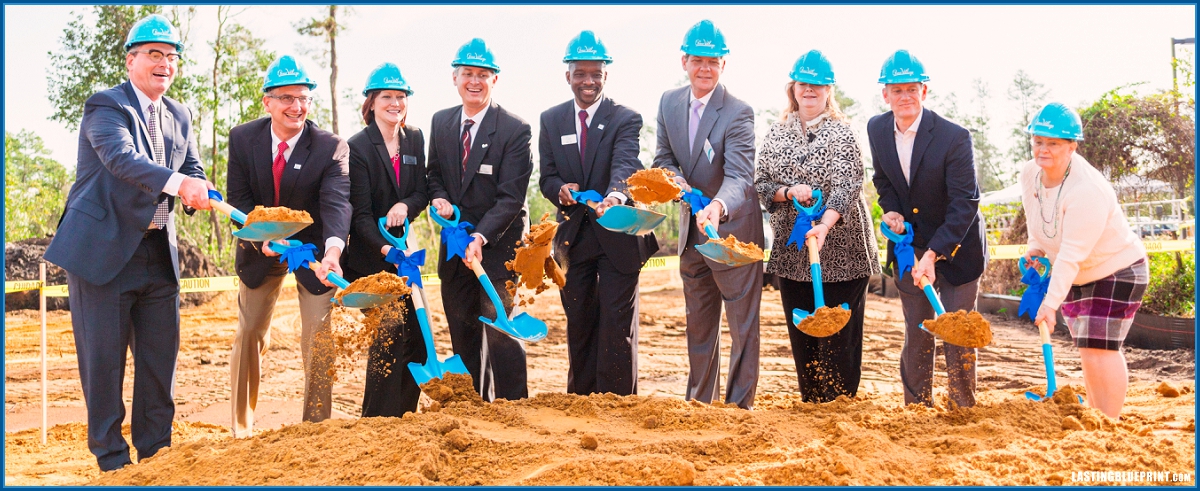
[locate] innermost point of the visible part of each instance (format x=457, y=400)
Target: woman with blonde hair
x=813, y=148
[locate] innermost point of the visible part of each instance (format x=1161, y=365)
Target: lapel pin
x=600, y=126
x=483, y=146
x=297, y=167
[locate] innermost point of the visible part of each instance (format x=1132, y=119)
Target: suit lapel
x=262, y=164
x=139, y=117
x=891, y=159
x=168, y=133
x=678, y=132
x=295, y=163
x=595, y=133
x=707, y=121
x=452, y=177
x=479, y=147
x=376, y=136
x=921, y=143
x=574, y=164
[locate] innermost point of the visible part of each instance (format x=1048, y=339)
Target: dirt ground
x=653, y=438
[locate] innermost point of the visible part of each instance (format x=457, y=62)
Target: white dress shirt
x=330, y=242
x=477, y=118
x=704, y=105
x=904, y=145
x=579, y=131
x=144, y=103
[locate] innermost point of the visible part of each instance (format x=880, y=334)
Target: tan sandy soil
x=654, y=438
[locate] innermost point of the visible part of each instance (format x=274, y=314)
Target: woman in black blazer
x=387, y=178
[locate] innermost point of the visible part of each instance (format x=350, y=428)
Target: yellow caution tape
x=657, y=263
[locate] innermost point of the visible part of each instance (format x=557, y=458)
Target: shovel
x=1048, y=356
x=721, y=253
x=432, y=368
x=622, y=218
x=798, y=315
x=257, y=231
x=522, y=326
x=358, y=300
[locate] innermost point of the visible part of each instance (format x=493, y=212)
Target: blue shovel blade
x=799, y=315
x=267, y=231
x=524, y=327
x=366, y=300
x=630, y=220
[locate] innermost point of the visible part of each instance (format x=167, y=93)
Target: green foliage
x=1172, y=288
x=91, y=58
x=35, y=187
x=1153, y=136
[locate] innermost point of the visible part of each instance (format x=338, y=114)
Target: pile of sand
x=277, y=214
x=962, y=328
x=826, y=321
x=560, y=439
x=653, y=186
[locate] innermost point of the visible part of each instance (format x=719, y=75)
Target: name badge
x=485, y=169
x=708, y=151
x=569, y=139
x=410, y=160
x=297, y=166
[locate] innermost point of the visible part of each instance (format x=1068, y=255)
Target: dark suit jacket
x=942, y=201
x=495, y=202
x=316, y=179
x=611, y=157
x=373, y=191
x=118, y=184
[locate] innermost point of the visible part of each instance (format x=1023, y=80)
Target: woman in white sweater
x=1099, y=267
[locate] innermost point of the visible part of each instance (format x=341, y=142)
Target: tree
x=327, y=28
x=35, y=187
x=1028, y=95
x=1152, y=136
x=91, y=58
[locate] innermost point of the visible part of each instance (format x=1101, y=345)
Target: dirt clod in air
x=1167, y=390
x=653, y=186
x=962, y=328
x=826, y=321
x=533, y=263
x=277, y=214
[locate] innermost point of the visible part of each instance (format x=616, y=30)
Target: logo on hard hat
x=475, y=56
x=290, y=72
x=392, y=80
x=160, y=32
x=704, y=43
x=589, y=50
x=1044, y=123
x=807, y=71
x=902, y=71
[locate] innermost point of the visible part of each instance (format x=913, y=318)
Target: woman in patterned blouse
x=813, y=147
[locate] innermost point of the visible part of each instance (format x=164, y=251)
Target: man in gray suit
x=706, y=137
x=116, y=240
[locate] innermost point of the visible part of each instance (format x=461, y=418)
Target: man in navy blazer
x=925, y=175
x=116, y=240
x=591, y=143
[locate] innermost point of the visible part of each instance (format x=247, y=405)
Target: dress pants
x=390, y=389
x=496, y=361
x=601, y=306
x=139, y=311
x=917, y=355
x=704, y=291
x=830, y=366
x=255, y=306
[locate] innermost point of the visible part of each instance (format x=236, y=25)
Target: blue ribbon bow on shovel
x=408, y=266
x=588, y=195
x=904, y=250
x=1038, y=283
x=298, y=256
x=457, y=238
x=696, y=200
x=805, y=215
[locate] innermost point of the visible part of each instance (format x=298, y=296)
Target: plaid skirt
x=1100, y=313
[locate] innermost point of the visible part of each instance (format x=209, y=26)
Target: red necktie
x=466, y=141
x=396, y=166
x=582, y=133
x=277, y=168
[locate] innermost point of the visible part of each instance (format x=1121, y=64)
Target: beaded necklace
x=1053, y=211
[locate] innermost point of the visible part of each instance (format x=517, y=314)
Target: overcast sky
x=1077, y=52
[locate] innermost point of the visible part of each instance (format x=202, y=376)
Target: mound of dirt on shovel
x=277, y=214
x=962, y=328
x=653, y=186
x=826, y=321
x=748, y=249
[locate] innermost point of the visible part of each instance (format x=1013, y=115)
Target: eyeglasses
x=287, y=100
x=157, y=56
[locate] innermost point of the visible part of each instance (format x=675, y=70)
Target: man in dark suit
x=925, y=175
x=591, y=143
x=116, y=240
x=286, y=160
x=479, y=160
x=706, y=137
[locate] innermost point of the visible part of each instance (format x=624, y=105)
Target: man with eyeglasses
x=286, y=160
x=479, y=161
x=925, y=175
x=116, y=240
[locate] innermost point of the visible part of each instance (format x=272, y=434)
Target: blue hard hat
x=476, y=53
x=704, y=39
x=902, y=68
x=813, y=68
x=386, y=77
x=153, y=28
x=287, y=70
x=587, y=47
x=1056, y=120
